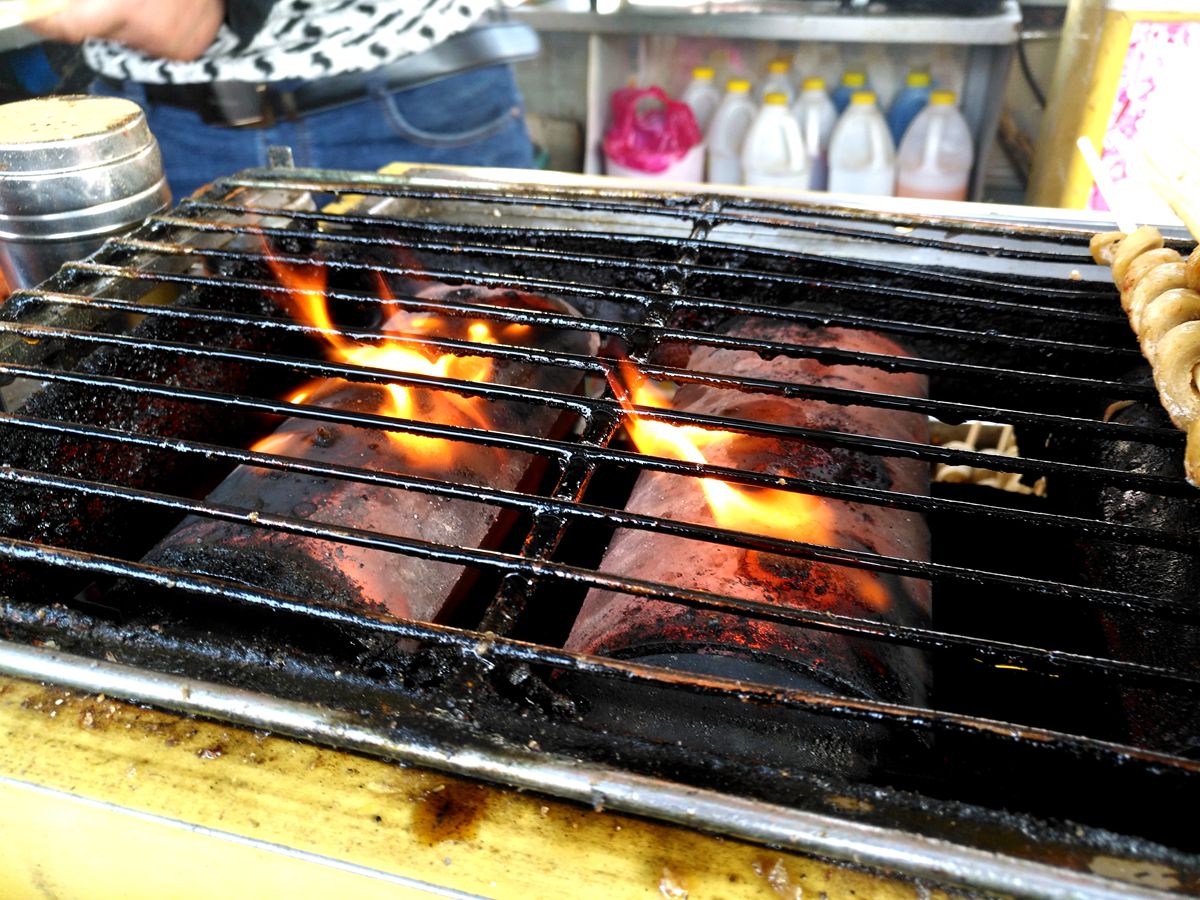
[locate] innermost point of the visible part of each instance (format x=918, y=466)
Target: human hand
x=170, y=29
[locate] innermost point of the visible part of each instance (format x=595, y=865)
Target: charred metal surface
x=1165, y=720
x=106, y=525
x=1028, y=743
x=713, y=207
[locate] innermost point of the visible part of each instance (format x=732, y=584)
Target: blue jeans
x=475, y=118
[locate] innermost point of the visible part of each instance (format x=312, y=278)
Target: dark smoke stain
x=449, y=812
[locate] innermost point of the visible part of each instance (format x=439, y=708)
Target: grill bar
x=1169, y=485
x=834, y=286
x=661, y=333
x=707, y=209
x=1005, y=653
x=515, y=250
x=491, y=645
x=945, y=410
x=703, y=206
x=1047, y=368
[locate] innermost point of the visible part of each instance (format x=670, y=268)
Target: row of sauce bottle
x=844, y=143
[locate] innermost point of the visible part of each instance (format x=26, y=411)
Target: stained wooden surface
x=101, y=799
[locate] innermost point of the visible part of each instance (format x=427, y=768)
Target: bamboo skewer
x=1108, y=189
x=1173, y=189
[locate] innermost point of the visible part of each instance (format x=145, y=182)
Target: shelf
x=776, y=21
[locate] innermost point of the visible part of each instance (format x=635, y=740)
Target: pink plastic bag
x=650, y=132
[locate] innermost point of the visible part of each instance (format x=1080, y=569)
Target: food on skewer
x=1160, y=292
x=1169, y=310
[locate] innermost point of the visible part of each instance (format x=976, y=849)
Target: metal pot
x=74, y=171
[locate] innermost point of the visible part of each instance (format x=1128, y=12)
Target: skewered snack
x=1160, y=292
x=1143, y=263
x=1156, y=281
x=1175, y=374
x=1169, y=310
x=1192, y=269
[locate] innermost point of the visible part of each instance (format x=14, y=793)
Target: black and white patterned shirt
x=299, y=39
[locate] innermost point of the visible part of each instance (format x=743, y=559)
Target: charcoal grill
x=1062, y=722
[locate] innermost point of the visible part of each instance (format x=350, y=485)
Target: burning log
x=350, y=575
x=657, y=631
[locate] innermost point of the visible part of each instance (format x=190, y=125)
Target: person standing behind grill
x=346, y=84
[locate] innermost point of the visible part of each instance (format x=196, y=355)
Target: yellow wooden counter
x=100, y=799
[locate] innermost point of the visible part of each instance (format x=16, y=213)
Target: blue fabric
x=30, y=70
x=475, y=118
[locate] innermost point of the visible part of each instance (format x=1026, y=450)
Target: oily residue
x=100, y=714
x=850, y=804
x=672, y=885
x=449, y=811
x=1139, y=872
x=774, y=871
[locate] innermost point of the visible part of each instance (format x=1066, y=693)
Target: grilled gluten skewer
x=1160, y=292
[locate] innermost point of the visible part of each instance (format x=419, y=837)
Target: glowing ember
x=306, y=286
x=762, y=511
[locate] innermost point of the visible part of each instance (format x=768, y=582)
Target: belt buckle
x=239, y=104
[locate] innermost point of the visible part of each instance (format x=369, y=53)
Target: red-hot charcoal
x=350, y=575
x=617, y=624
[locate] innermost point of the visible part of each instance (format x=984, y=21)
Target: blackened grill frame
x=604, y=418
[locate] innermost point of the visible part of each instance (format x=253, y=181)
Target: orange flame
x=306, y=286
x=762, y=511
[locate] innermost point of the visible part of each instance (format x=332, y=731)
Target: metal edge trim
x=600, y=787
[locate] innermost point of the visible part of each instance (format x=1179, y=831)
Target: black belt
x=242, y=104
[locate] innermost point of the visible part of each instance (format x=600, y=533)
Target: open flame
x=763, y=511
x=306, y=285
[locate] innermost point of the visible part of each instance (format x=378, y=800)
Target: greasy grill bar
x=1058, y=715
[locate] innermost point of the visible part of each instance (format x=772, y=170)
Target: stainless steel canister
x=73, y=171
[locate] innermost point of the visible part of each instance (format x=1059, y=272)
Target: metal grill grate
x=1032, y=677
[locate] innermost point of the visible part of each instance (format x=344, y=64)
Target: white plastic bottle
x=727, y=131
x=937, y=152
x=862, y=159
x=773, y=152
x=778, y=80
x=815, y=114
x=702, y=96
x=882, y=77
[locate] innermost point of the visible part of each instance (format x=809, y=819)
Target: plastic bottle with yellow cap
x=852, y=80
x=727, y=132
x=937, y=152
x=908, y=103
x=816, y=116
x=778, y=80
x=702, y=96
x=862, y=158
x=773, y=152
